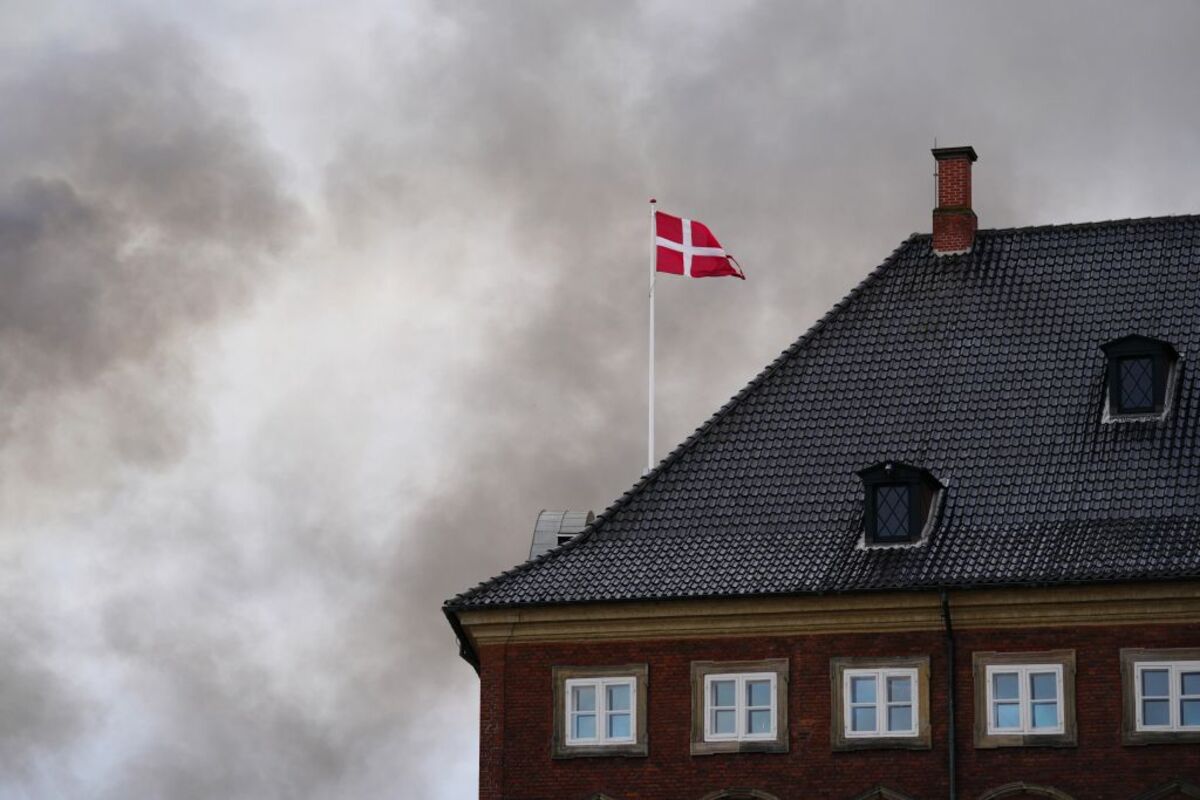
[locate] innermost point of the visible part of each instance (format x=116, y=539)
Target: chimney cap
x=942, y=153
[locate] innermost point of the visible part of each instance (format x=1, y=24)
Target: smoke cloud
x=136, y=203
x=306, y=312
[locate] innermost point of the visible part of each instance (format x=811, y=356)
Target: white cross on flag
x=686, y=247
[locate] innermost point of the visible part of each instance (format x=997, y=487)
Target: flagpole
x=650, y=400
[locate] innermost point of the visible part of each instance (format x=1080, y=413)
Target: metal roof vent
x=557, y=527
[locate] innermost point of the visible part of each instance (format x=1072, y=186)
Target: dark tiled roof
x=986, y=369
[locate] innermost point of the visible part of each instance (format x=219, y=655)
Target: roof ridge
x=1089, y=224
x=697, y=434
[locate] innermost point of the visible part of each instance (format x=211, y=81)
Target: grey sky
x=306, y=309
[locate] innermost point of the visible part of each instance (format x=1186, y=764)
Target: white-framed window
x=1025, y=699
x=601, y=711
x=1168, y=695
x=880, y=702
x=740, y=707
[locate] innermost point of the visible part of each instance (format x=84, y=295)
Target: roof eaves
x=913, y=587
x=465, y=650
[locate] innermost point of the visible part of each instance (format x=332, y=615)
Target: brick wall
x=953, y=231
x=492, y=670
x=516, y=697
x=954, y=183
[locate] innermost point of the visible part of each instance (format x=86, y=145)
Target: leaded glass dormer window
x=892, y=515
x=899, y=502
x=1136, y=378
x=1139, y=371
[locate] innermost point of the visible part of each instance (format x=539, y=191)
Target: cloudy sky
x=307, y=308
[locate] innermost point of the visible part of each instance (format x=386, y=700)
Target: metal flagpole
x=650, y=402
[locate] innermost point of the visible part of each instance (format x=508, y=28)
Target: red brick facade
x=515, y=725
x=953, y=231
x=954, y=182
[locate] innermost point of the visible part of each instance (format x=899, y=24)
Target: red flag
x=686, y=247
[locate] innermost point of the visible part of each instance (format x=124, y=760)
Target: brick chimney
x=954, y=221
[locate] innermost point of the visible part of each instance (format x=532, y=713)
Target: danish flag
x=686, y=247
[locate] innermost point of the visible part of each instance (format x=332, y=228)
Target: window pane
x=585, y=726
x=584, y=698
x=1156, y=712
x=1191, y=683
x=899, y=690
x=862, y=690
x=724, y=721
x=900, y=718
x=1005, y=686
x=1190, y=713
x=618, y=726
x=758, y=693
x=760, y=722
x=618, y=697
x=1155, y=683
x=723, y=693
x=891, y=512
x=863, y=719
x=1043, y=686
x=1045, y=715
x=1007, y=715
x=1137, y=383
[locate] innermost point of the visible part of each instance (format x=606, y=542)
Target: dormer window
x=1139, y=372
x=893, y=512
x=899, y=502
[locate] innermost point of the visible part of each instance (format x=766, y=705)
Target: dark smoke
x=136, y=202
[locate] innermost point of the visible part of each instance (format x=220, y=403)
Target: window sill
x=1125, y=418
x=753, y=746
x=992, y=741
x=637, y=750
x=849, y=743
x=1139, y=738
